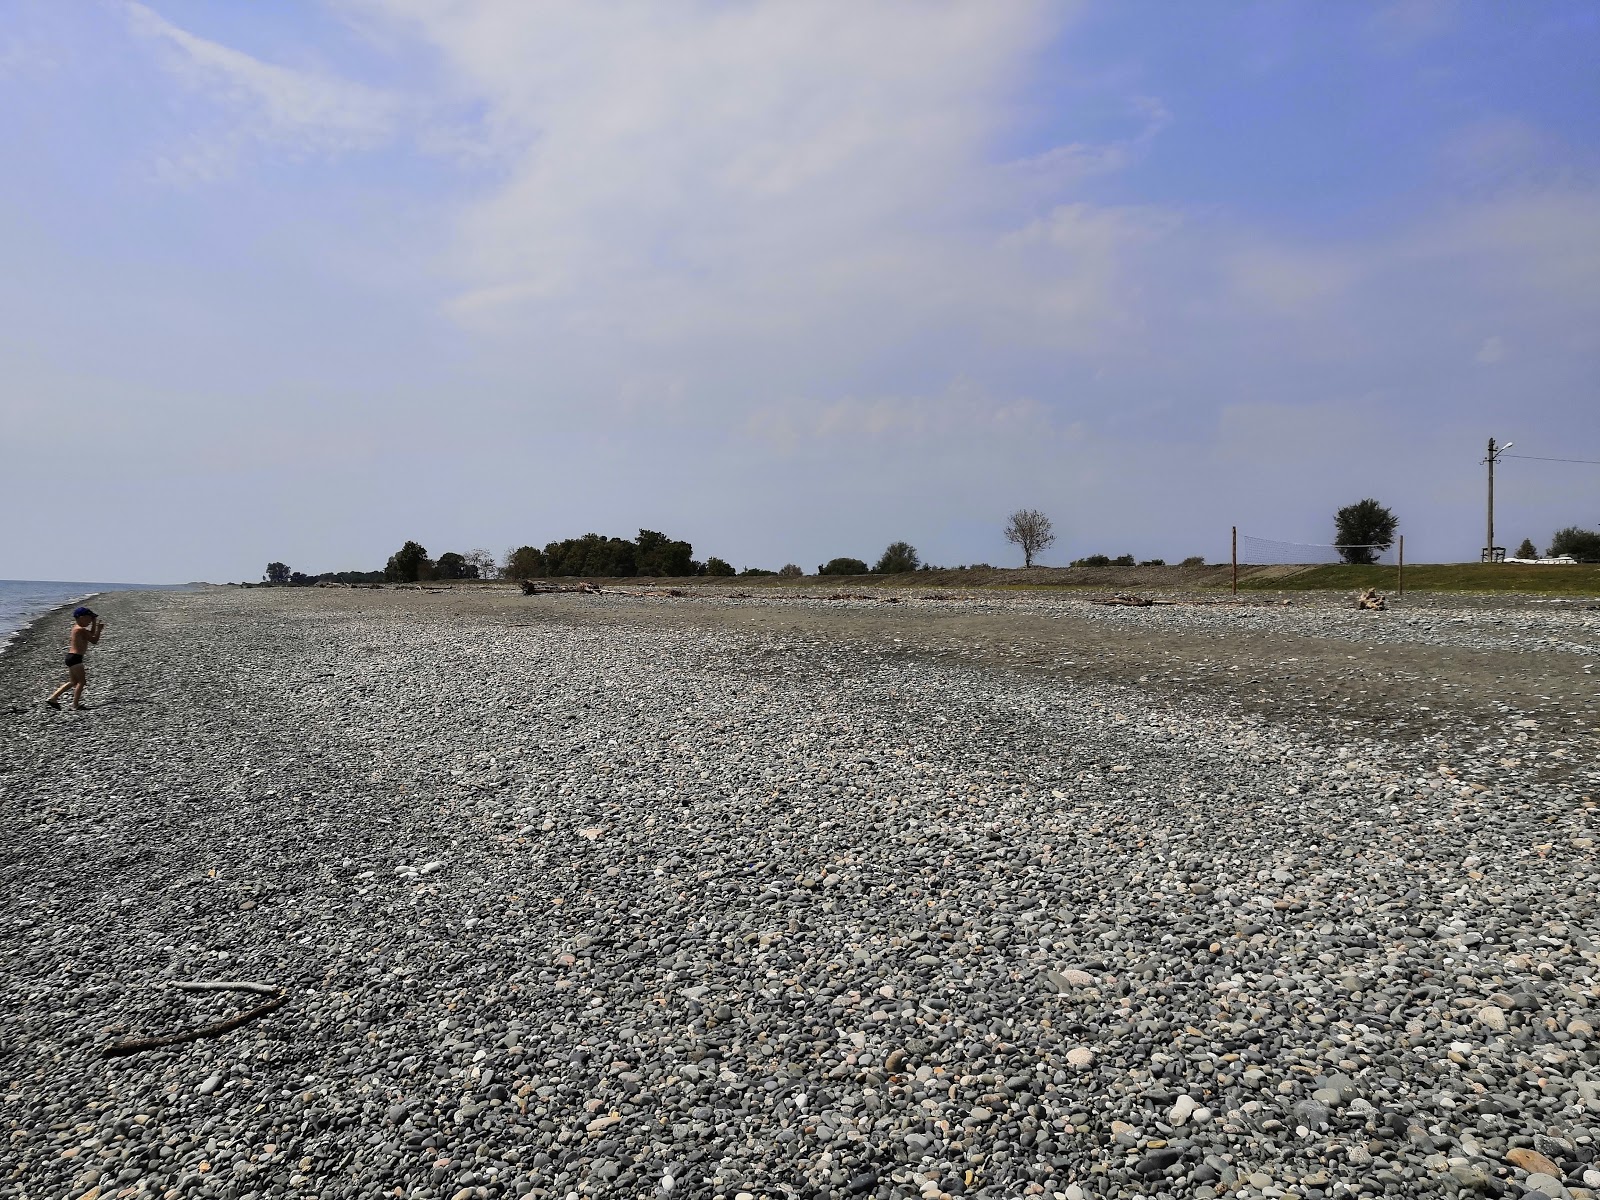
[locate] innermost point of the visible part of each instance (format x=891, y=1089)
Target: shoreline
x=29, y=629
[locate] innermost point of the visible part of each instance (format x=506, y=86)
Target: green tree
x=896, y=559
x=658, y=555
x=1527, y=549
x=716, y=566
x=843, y=566
x=790, y=571
x=455, y=566
x=1582, y=544
x=593, y=556
x=277, y=572
x=525, y=562
x=1363, y=531
x=408, y=564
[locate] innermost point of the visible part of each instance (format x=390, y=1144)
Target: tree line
x=1363, y=531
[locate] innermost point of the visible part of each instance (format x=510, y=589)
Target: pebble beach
x=780, y=895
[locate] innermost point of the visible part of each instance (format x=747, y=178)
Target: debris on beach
x=135, y=1045
x=1371, y=601
x=533, y=587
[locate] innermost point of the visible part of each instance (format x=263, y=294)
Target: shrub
x=1194, y=560
x=1122, y=560
x=755, y=571
x=898, y=558
x=843, y=566
x=718, y=567
x=1093, y=560
x=1154, y=562
x=790, y=571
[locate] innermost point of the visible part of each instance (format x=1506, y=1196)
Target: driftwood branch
x=134, y=1045
x=265, y=989
x=532, y=587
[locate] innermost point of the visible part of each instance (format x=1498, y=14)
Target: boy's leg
x=80, y=680
x=58, y=693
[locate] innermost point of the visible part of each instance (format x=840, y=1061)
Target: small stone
x=1532, y=1162
x=1157, y=1161
x=1492, y=1016
x=1539, y=1181
x=1080, y=1057
x=211, y=1084
x=1472, y=1176
x=1313, y=1114
x=896, y=1060
x=1181, y=1110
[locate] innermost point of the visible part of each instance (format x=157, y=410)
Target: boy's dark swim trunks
x=74, y=659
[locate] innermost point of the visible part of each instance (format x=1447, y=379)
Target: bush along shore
x=595, y=896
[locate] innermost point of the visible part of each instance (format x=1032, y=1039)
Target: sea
x=21, y=600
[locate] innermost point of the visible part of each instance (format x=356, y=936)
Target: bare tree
x=484, y=561
x=1030, y=529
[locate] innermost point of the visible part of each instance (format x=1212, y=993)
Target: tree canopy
x=277, y=572
x=843, y=566
x=1582, y=544
x=454, y=566
x=1363, y=531
x=897, y=558
x=408, y=564
x=1031, y=530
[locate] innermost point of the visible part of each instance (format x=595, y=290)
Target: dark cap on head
x=80, y=611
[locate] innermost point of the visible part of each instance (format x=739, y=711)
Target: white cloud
x=292, y=111
x=790, y=173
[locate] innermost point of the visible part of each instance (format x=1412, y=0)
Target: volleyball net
x=1255, y=551
x=1252, y=551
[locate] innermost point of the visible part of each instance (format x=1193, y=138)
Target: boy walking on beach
x=86, y=630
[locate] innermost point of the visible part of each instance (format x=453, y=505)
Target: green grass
x=1581, y=580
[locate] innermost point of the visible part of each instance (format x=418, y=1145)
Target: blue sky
x=300, y=281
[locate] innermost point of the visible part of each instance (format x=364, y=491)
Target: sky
x=789, y=279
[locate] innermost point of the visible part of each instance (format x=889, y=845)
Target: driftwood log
x=1371, y=600
x=226, y=985
x=533, y=587
x=135, y=1045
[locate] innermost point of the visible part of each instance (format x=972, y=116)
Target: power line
x=1593, y=462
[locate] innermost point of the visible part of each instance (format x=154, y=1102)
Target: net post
x=1235, y=560
x=1400, y=573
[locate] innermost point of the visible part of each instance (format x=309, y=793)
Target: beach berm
x=710, y=896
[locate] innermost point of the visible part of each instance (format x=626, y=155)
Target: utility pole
x=1491, y=552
